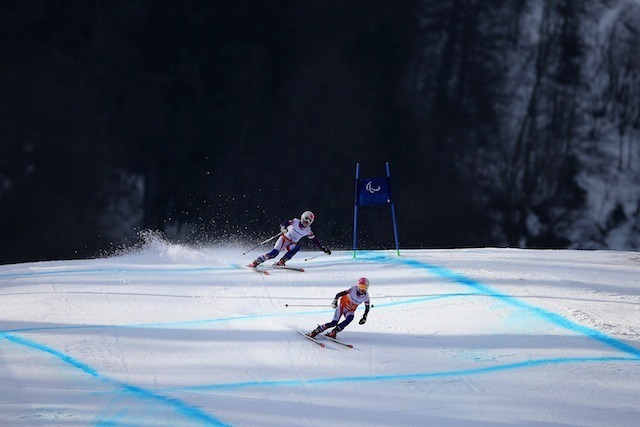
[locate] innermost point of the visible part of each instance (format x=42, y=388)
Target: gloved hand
x=334, y=303
x=363, y=320
x=283, y=230
x=326, y=251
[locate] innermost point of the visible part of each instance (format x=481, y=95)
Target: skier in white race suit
x=291, y=231
x=349, y=302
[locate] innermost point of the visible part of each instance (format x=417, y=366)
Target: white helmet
x=307, y=218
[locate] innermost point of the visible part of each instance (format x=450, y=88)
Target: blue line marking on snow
x=169, y=325
x=190, y=412
x=409, y=376
x=427, y=298
x=549, y=316
x=116, y=270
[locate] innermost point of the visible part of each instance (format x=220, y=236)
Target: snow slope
x=177, y=335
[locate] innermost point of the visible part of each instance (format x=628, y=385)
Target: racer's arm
x=366, y=312
x=334, y=304
x=316, y=242
x=284, y=225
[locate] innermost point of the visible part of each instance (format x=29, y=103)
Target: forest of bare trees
x=505, y=122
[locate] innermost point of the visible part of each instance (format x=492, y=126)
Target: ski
x=257, y=270
x=321, y=344
x=338, y=341
x=286, y=267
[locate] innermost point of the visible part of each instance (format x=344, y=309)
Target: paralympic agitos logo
x=369, y=187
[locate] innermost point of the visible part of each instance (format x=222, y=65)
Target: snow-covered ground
x=178, y=335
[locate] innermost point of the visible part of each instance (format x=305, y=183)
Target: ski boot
x=334, y=332
x=281, y=262
x=256, y=263
x=315, y=332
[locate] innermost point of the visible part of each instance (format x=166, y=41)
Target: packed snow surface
x=179, y=335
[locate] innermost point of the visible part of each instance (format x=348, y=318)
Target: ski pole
x=313, y=257
x=305, y=305
x=310, y=305
x=261, y=243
